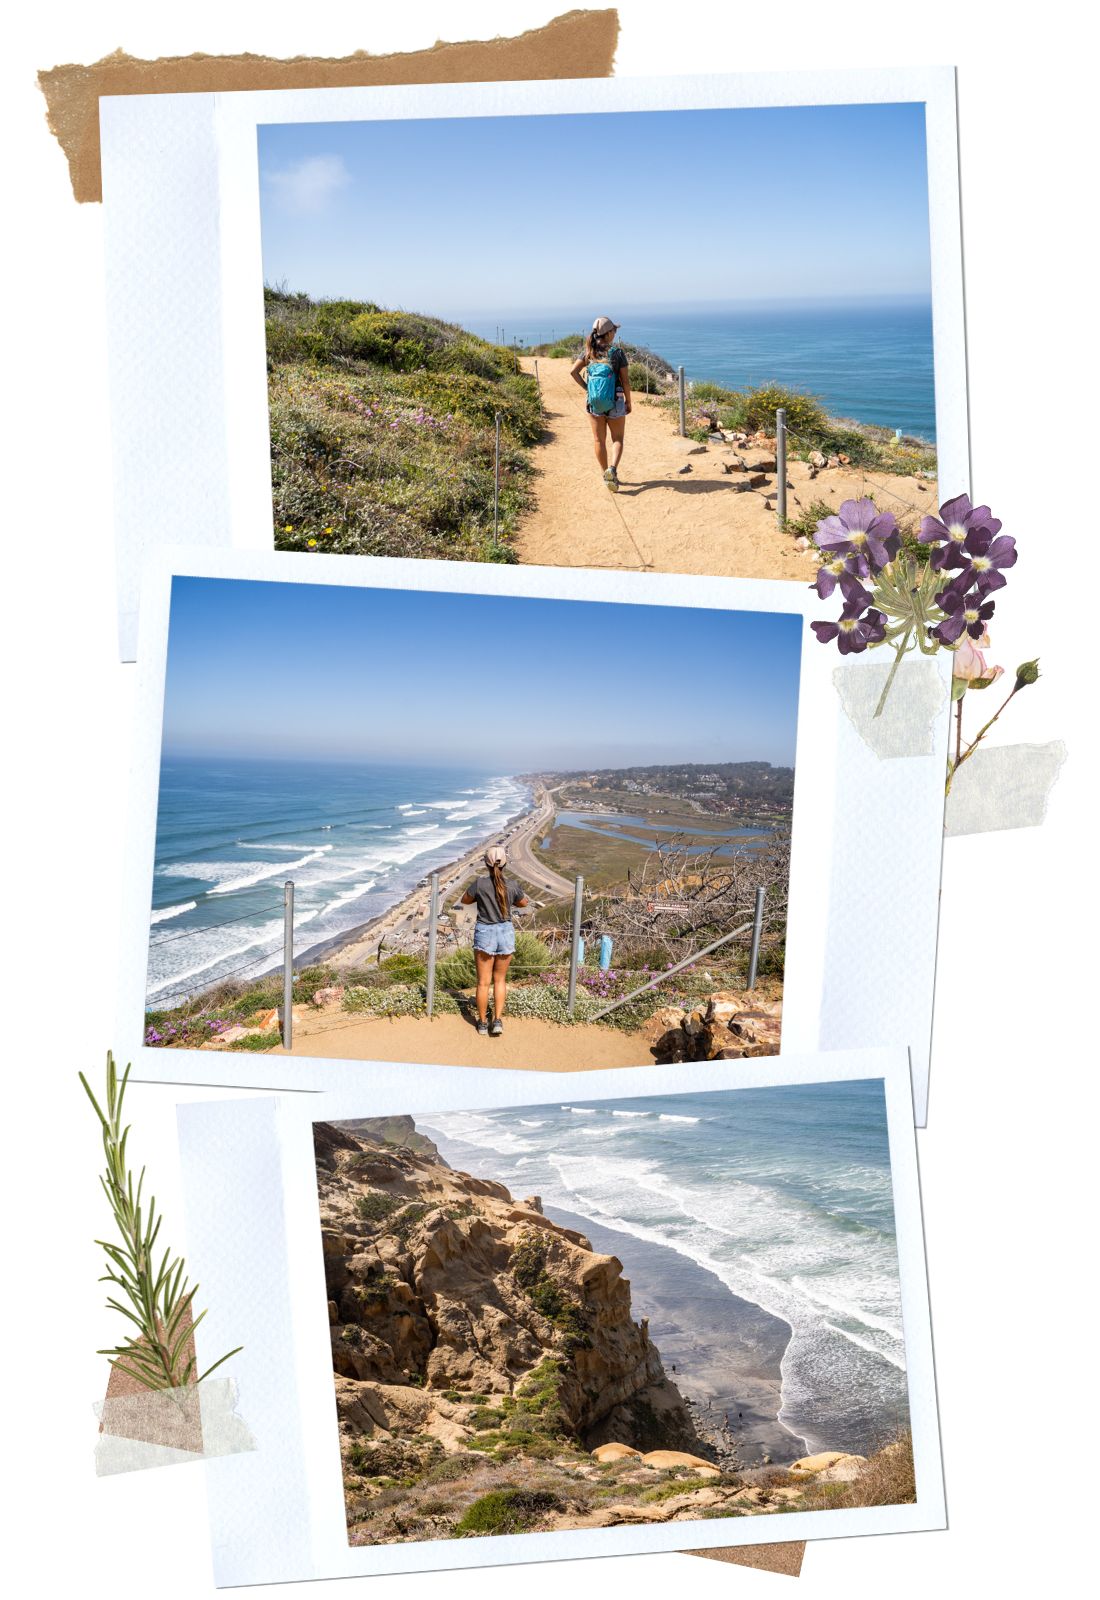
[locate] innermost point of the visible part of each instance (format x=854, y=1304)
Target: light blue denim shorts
x=495, y=938
x=617, y=410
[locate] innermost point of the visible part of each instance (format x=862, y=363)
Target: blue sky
x=315, y=672
x=486, y=216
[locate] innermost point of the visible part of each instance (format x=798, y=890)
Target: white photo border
x=277, y=1514
x=860, y=823
x=182, y=236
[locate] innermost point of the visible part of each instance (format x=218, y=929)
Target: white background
x=1008, y=1158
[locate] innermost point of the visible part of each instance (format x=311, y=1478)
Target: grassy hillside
x=382, y=429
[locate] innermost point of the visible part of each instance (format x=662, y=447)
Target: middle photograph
x=457, y=828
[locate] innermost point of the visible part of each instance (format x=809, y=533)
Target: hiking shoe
x=611, y=478
x=483, y=1027
x=496, y=1028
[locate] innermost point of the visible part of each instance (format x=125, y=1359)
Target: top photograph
x=668, y=340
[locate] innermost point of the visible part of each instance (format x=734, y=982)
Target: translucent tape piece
x=167, y=1427
x=905, y=726
x=1003, y=786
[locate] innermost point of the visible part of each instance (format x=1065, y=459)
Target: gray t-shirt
x=483, y=892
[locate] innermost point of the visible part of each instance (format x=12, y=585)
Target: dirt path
x=526, y=1043
x=665, y=519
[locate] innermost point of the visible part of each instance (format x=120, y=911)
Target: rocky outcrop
x=727, y=1026
x=454, y=1309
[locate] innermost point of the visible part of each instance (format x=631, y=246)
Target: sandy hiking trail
x=527, y=1043
x=667, y=520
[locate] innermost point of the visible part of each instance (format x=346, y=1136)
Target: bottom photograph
x=680, y=1308
x=637, y=1311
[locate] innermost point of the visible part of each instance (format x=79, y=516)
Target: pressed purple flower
x=967, y=611
x=860, y=624
x=860, y=529
x=831, y=572
x=957, y=520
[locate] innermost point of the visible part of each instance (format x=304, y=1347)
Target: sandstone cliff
x=490, y=1373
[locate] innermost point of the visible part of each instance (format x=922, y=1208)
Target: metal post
x=754, y=948
x=496, y=481
x=781, y=465
x=578, y=897
x=288, y=964
x=683, y=403
x=433, y=926
x=515, y=354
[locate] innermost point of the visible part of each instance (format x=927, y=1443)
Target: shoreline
x=723, y=1353
x=402, y=920
x=413, y=903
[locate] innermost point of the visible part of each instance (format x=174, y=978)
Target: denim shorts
x=617, y=410
x=495, y=938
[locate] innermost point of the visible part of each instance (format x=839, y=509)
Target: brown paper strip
x=579, y=44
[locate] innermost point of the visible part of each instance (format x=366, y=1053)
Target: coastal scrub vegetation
x=382, y=432
x=678, y=902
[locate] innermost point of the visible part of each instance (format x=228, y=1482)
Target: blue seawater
x=784, y=1193
x=354, y=840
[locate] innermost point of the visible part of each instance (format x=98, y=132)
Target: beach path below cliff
x=664, y=519
x=526, y=1043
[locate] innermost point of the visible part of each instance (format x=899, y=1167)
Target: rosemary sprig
x=159, y=1297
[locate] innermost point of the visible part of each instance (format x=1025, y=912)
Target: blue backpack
x=602, y=385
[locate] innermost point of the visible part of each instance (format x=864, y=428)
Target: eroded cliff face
x=464, y=1317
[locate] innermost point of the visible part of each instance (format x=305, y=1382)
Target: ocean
x=783, y=1193
x=354, y=839
x=871, y=362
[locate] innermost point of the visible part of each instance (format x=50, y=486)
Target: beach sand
x=668, y=520
x=722, y=1352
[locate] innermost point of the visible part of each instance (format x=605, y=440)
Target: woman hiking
x=494, y=895
x=602, y=373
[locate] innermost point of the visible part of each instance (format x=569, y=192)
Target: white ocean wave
x=225, y=877
x=166, y=913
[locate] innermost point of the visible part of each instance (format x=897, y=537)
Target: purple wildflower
x=860, y=624
x=967, y=610
x=860, y=529
x=830, y=573
x=957, y=521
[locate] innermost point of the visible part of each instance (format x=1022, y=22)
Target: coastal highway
x=518, y=840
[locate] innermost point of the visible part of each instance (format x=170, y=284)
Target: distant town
x=731, y=788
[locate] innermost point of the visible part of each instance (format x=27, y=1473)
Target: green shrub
x=506, y=1511
x=456, y=970
x=528, y=1266
x=404, y=968
x=375, y=1206
x=255, y=1041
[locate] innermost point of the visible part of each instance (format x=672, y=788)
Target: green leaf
x=219, y=1361
x=980, y=683
x=959, y=686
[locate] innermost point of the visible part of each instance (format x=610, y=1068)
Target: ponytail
x=500, y=889
x=597, y=345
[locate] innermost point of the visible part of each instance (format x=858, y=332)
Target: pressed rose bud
x=1027, y=673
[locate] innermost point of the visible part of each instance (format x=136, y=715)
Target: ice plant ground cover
x=928, y=594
